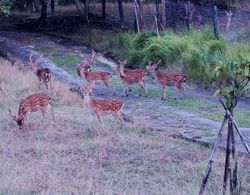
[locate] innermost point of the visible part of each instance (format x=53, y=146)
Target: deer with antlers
x=102, y=107
x=43, y=74
x=32, y=103
x=131, y=77
x=167, y=79
x=89, y=62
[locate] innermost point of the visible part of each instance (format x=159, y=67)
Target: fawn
x=32, y=103
x=43, y=74
x=167, y=79
x=102, y=107
x=131, y=77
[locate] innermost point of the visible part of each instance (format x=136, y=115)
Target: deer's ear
x=125, y=61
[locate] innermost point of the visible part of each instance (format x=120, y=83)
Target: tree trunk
x=36, y=5
x=121, y=10
x=86, y=10
x=52, y=5
x=78, y=7
x=43, y=17
x=103, y=9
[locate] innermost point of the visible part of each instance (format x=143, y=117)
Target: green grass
x=48, y=50
x=189, y=103
x=241, y=117
x=65, y=60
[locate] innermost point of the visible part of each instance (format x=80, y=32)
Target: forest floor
x=197, y=117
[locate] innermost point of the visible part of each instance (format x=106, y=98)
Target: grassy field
x=73, y=154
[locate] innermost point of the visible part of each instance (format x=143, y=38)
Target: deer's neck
x=155, y=75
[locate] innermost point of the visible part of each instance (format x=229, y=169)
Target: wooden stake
x=210, y=161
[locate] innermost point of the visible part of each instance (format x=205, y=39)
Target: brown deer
x=93, y=77
x=43, y=74
x=32, y=103
x=89, y=62
x=167, y=79
x=131, y=77
x=102, y=107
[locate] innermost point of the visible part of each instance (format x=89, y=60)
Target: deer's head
x=19, y=119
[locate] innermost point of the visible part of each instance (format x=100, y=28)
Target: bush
x=197, y=53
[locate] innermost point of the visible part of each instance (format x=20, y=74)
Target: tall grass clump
x=194, y=52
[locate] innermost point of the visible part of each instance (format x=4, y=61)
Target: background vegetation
x=196, y=53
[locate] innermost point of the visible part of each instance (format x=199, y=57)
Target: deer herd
x=99, y=107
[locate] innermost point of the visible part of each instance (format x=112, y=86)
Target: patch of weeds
x=65, y=60
x=48, y=50
x=117, y=82
x=241, y=117
x=189, y=103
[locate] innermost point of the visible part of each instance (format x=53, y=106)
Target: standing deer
x=102, y=107
x=89, y=62
x=167, y=79
x=131, y=77
x=93, y=77
x=43, y=74
x=32, y=103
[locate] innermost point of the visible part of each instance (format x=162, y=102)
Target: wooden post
x=210, y=161
x=120, y=7
x=103, y=9
x=215, y=22
x=136, y=19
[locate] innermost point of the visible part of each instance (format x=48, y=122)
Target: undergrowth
x=193, y=52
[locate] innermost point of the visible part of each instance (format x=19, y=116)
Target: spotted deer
x=32, y=103
x=89, y=62
x=167, y=79
x=102, y=107
x=43, y=74
x=131, y=77
x=93, y=77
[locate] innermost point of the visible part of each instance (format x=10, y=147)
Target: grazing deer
x=102, y=107
x=43, y=74
x=131, y=77
x=32, y=103
x=89, y=62
x=167, y=79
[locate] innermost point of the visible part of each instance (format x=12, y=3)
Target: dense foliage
x=195, y=53
x=5, y=6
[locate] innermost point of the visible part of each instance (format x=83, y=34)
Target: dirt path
x=177, y=118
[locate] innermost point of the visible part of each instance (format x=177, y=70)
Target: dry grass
x=73, y=155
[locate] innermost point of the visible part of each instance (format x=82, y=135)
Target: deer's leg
x=118, y=115
x=99, y=118
x=143, y=86
x=180, y=90
x=43, y=111
x=46, y=84
x=39, y=83
x=50, y=84
x=125, y=90
x=163, y=96
x=51, y=111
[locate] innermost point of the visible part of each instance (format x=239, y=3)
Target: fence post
x=215, y=22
